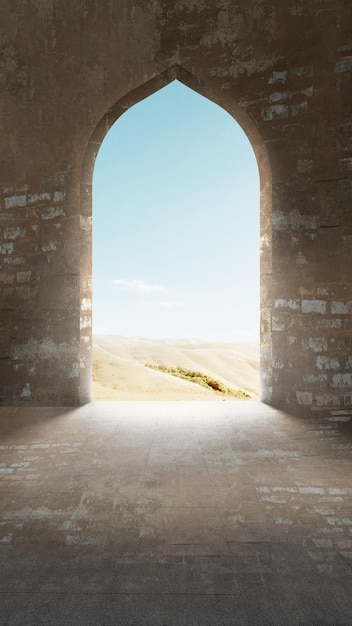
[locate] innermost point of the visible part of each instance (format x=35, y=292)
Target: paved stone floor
x=175, y=514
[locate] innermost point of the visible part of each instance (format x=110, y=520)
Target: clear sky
x=176, y=223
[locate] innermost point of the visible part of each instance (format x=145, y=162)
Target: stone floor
x=175, y=514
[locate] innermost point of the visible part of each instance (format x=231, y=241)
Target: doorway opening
x=175, y=254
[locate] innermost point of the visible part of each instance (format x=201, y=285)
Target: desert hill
x=120, y=372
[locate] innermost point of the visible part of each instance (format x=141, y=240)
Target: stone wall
x=69, y=69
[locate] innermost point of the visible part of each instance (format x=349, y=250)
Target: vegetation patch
x=200, y=379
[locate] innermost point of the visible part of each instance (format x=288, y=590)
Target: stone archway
x=64, y=65
x=176, y=72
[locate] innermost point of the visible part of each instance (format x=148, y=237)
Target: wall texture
x=70, y=68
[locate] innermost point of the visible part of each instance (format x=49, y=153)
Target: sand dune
x=119, y=371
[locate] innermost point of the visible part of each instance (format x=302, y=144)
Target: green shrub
x=200, y=379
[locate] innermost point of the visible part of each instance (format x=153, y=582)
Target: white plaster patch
x=15, y=201
x=72, y=540
x=339, y=416
x=308, y=91
x=327, y=363
x=323, y=510
x=277, y=324
x=314, y=306
x=343, y=65
x=13, y=261
x=278, y=363
x=73, y=372
x=37, y=198
x=301, y=259
x=267, y=393
x=49, y=350
x=59, y=196
x=278, y=96
x=346, y=164
x=85, y=223
x=304, y=397
x=295, y=221
x=6, y=248
x=275, y=111
x=341, y=308
x=86, y=322
x=281, y=303
x=86, y=304
x=51, y=212
x=336, y=323
x=278, y=77
x=264, y=242
x=49, y=246
x=342, y=380
x=327, y=399
x=14, y=232
x=339, y=521
x=323, y=543
x=273, y=499
x=312, y=491
x=280, y=221
x=317, y=344
x=26, y=392
x=315, y=379
x=338, y=491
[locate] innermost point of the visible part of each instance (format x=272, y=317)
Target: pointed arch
x=224, y=100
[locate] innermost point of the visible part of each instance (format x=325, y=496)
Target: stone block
x=327, y=399
x=314, y=306
x=342, y=380
x=304, y=397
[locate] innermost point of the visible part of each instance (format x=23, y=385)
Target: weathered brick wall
x=282, y=69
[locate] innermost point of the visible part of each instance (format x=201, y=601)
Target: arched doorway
x=175, y=253
x=147, y=89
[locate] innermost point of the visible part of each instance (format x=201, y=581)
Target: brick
x=304, y=397
x=314, y=306
x=15, y=201
x=327, y=363
x=317, y=344
x=341, y=308
x=342, y=380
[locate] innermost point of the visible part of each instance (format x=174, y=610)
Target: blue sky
x=176, y=223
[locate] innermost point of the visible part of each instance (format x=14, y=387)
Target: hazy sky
x=176, y=223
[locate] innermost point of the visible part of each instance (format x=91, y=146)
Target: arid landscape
x=133, y=368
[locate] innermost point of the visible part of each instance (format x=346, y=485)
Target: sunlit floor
x=180, y=513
